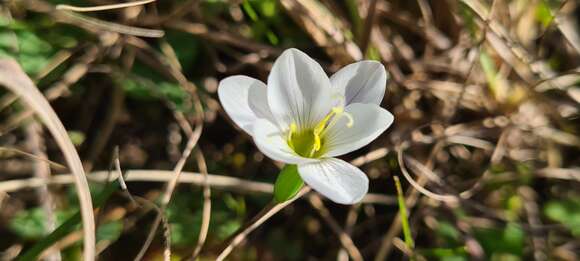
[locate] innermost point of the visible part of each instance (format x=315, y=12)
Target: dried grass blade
x=102, y=7
x=31, y=156
x=110, y=26
x=12, y=77
x=206, y=211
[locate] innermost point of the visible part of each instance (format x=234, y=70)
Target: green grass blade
x=403, y=212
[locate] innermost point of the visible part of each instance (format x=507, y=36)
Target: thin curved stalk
x=12, y=77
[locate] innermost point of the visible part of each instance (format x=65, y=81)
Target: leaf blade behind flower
x=287, y=184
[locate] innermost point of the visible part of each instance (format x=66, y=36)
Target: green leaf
x=543, y=14
x=29, y=224
x=250, y=11
x=448, y=231
x=110, y=231
x=448, y=254
x=489, y=69
x=507, y=240
x=288, y=183
x=30, y=43
x=566, y=212
x=186, y=47
x=268, y=8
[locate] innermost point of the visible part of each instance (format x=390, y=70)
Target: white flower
x=307, y=119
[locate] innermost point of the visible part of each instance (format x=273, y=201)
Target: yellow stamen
x=350, y=119
x=317, y=145
x=319, y=129
x=326, y=123
x=308, y=142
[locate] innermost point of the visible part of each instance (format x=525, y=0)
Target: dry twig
x=258, y=220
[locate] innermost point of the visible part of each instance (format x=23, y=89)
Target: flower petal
x=245, y=100
x=336, y=179
x=362, y=82
x=298, y=90
x=369, y=121
x=271, y=141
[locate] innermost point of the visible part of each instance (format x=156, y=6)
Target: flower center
x=310, y=142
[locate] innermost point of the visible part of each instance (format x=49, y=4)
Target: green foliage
x=76, y=137
x=236, y=204
x=373, y=54
x=145, y=84
x=250, y=10
x=566, y=212
x=354, y=14
x=73, y=253
x=445, y=254
x=213, y=8
x=469, y=20
x=184, y=214
x=32, y=52
x=30, y=224
x=110, y=231
x=34, y=43
x=513, y=205
x=543, y=13
x=36, y=38
x=501, y=241
x=447, y=231
x=186, y=48
x=184, y=221
x=452, y=247
x=489, y=69
x=261, y=27
x=284, y=246
x=287, y=184
x=67, y=226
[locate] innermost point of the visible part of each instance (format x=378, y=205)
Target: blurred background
x=485, y=95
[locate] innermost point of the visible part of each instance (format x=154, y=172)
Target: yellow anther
x=308, y=142
x=317, y=144
x=337, y=110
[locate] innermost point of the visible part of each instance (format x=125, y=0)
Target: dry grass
x=485, y=96
x=13, y=78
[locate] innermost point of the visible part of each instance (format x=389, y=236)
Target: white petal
x=245, y=100
x=272, y=142
x=299, y=90
x=369, y=122
x=362, y=82
x=336, y=179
